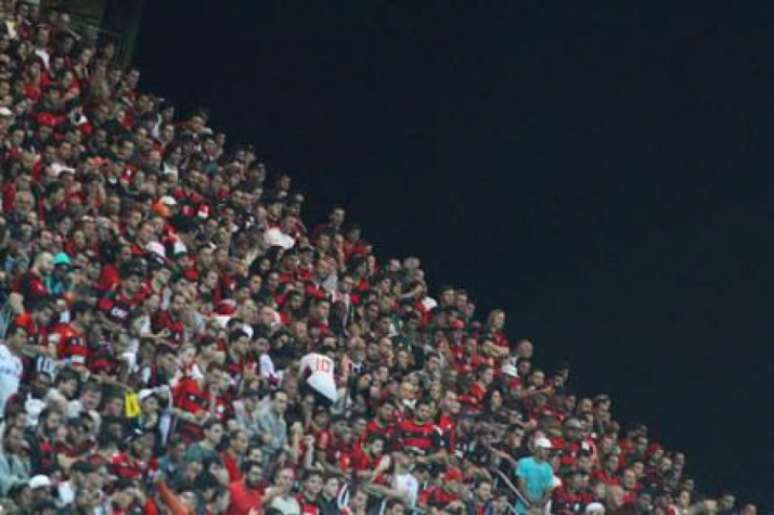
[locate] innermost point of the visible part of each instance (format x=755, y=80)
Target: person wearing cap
x=58, y=282
x=535, y=478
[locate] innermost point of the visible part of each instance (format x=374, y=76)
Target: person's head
x=285, y=477
x=727, y=501
x=358, y=499
x=629, y=479
x=255, y=453
x=375, y=445
x=91, y=395
x=279, y=402
x=253, y=473
x=213, y=432
x=611, y=462
x=614, y=495
x=313, y=484
x=542, y=447
x=39, y=386
x=238, y=441
x=386, y=413
x=422, y=412
x=484, y=491
x=13, y=440
x=644, y=503
x=395, y=507
x=44, y=263
x=331, y=487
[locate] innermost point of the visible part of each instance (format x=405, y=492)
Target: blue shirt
x=537, y=477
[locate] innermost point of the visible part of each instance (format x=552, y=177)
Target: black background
x=602, y=173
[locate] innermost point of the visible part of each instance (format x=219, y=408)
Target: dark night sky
x=604, y=175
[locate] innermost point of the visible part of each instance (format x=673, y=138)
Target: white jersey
x=11, y=370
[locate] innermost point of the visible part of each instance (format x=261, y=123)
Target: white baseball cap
x=543, y=443
x=39, y=481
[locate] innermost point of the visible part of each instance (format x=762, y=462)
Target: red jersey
x=163, y=320
x=307, y=507
x=566, y=503
x=424, y=438
x=117, y=308
x=31, y=286
x=374, y=427
x=243, y=499
x=189, y=396
x=437, y=497
x=72, y=345
x=448, y=431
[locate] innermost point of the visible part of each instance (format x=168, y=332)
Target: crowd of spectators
x=161, y=290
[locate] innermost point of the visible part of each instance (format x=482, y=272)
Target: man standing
x=11, y=370
x=535, y=479
x=272, y=428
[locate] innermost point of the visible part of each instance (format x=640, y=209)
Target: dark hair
x=249, y=464
x=210, y=423
x=312, y=473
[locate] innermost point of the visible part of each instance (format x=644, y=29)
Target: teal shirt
x=538, y=478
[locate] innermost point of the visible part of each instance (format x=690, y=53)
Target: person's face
x=285, y=478
x=386, y=413
x=313, y=485
x=40, y=385
x=644, y=503
x=256, y=455
x=376, y=448
x=115, y=407
x=398, y=509
x=280, y=402
x=484, y=491
x=214, y=434
x=132, y=284
x=629, y=479
x=727, y=502
x=14, y=440
x=240, y=442
x=423, y=412
x=68, y=387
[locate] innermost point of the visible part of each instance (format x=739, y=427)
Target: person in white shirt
x=11, y=370
x=281, y=236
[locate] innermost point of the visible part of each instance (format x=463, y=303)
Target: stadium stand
x=177, y=340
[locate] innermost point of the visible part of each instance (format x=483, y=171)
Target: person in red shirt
x=246, y=493
x=573, y=495
x=419, y=435
x=72, y=345
x=37, y=324
x=116, y=308
x=195, y=399
x=138, y=461
x=608, y=473
x=450, y=409
x=171, y=321
x=474, y=398
x=447, y=494
x=367, y=456
x=234, y=455
x=383, y=423
x=31, y=285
